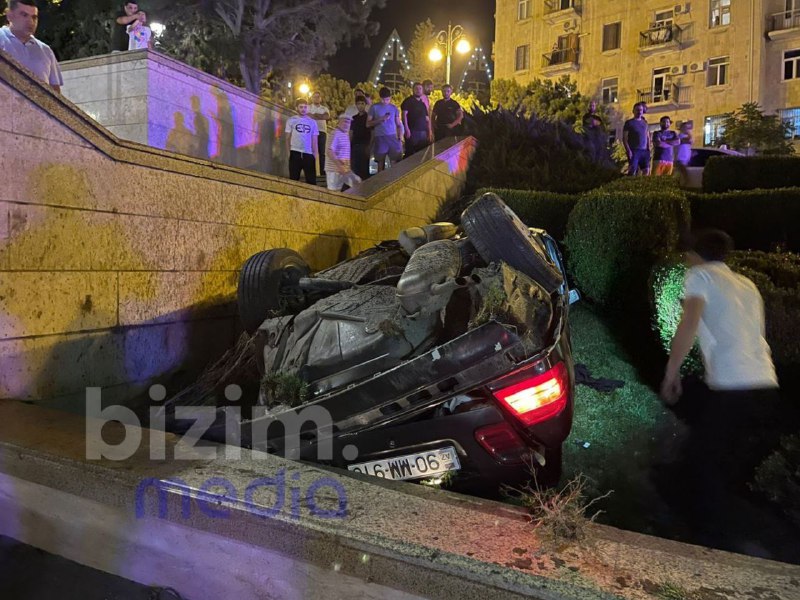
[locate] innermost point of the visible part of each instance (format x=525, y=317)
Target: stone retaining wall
x=119, y=262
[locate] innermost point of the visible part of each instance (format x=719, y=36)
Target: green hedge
x=640, y=185
x=724, y=173
x=666, y=288
x=757, y=219
x=777, y=276
x=545, y=210
x=614, y=238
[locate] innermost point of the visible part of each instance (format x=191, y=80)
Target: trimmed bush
x=725, y=173
x=545, y=210
x=643, y=185
x=614, y=239
x=757, y=219
x=777, y=277
x=666, y=285
x=779, y=476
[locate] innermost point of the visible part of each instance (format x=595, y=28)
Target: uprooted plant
x=558, y=515
x=284, y=388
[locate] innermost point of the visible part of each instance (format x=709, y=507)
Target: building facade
x=692, y=60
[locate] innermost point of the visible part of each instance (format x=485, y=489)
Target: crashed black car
x=444, y=354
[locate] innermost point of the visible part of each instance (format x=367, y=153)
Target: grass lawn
x=628, y=430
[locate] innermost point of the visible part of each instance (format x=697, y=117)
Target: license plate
x=411, y=466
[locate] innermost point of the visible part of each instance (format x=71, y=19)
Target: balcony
x=660, y=39
x=783, y=24
x=560, y=10
x=560, y=61
x=671, y=97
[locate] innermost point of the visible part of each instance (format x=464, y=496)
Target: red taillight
x=536, y=398
x=502, y=442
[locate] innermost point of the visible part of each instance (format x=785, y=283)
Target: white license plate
x=411, y=466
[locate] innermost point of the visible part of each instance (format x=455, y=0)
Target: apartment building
x=691, y=60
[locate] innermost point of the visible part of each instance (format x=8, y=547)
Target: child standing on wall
x=139, y=34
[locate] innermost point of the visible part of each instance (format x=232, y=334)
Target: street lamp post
x=452, y=39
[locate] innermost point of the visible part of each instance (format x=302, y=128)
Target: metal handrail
x=560, y=57
x=674, y=93
x=787, y=19
x=658, y=36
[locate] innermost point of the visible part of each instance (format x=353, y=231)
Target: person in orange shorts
x=664, y=142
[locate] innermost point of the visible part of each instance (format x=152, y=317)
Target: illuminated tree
x=420, y=66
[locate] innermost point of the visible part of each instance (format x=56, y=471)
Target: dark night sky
x=477, y=17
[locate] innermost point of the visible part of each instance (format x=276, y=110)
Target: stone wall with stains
x=119, y=262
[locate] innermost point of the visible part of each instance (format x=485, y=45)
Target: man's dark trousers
x=417, y=141
x=321, y=141
x=300, y=161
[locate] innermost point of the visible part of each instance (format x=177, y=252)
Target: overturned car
x=444, y=354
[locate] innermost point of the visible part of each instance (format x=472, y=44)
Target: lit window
x=718, y=71
x=609, y=89
x=792, y=116
x=523, y=58
x=612, y=36
x=713, y=129
x=523, y=9
x=791, y=64
x=720, y=13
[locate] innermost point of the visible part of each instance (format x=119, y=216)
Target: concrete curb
x=394, y=537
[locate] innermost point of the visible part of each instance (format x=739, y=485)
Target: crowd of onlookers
x=366, y=130
x=655, y=154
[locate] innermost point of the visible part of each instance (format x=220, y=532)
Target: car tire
x=498, y=234
x=268, y=286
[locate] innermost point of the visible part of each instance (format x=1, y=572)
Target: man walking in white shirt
x=732, y=420
x=16, y=40
x=337, y=166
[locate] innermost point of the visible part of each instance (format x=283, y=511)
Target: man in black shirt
x=447, y=115
x=360, y=138
x=119, y=34
x=592, y=120
x=416, y=122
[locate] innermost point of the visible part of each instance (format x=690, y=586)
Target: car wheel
x=268, y=286
x=498, y=234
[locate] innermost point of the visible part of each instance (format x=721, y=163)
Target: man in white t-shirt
x=732, y=427
x=302, y=141
x=726, y=312
x=338, y=171
x=320, y=113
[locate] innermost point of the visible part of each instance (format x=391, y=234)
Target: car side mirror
x=574, y=296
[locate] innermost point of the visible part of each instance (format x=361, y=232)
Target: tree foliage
x=195, y=36
x=76, y=28
x=543, y=98
x=420, y=66
x=291, y=36
x=750, y=131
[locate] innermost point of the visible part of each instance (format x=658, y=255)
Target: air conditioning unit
x=678, y=70
x=682, y=8
x=570, y=24
x=696, y=67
